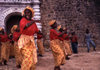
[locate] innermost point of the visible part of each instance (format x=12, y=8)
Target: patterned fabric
x=57, y=52
x=40, y=46
x=5, y=51
x=27, y=47
x=11, y=49
x=68, y=47
x=62, y=46
x=18, y=54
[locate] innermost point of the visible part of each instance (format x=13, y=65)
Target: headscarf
x=31, y=9
x=1, y=28
x=13, y=29
x=58, y=28
x=52, y=22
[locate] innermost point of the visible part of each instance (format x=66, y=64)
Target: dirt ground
x=80, y=61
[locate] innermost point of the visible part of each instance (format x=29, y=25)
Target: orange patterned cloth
x=57, y=52
x=68, y=47
x=40, y=46
x=18, y=54
x=11, y=49
x=62, y=46
x=5, y=51
x=28, y=49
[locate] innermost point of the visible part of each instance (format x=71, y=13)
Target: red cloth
x=53, y=34
x=16, y=36
x=39, y=36
x=62, y=38
x=74, y=38
x=4, y=38
x=30, y=30
x=65, y=35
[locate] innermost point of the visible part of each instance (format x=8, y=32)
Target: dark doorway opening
x=13, y=20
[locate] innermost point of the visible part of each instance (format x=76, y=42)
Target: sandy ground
x=80, y=61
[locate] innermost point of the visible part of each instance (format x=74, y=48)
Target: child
x=74, y=42
x=89, y=41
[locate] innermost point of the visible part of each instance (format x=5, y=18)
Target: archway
x=13, y=20
x=10, y=20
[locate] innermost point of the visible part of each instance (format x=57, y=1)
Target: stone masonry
x=76, y=15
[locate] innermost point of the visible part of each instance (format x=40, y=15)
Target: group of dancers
x=22, y=38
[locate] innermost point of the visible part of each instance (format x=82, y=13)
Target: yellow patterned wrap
x=18, y=54
x=5, y=51
x=11, y=49
x=57, y=52
x=40, y=46
x=68, y=47
x=28, y=49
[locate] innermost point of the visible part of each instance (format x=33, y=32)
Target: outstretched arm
x=28, y=24
x=63, y=33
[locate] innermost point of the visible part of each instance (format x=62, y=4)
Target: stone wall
x=76, y=15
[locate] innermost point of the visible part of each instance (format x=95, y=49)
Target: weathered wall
x=76, y=15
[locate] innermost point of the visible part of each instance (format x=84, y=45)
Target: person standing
x=65, y=43
x=55, y=45
x=26, y=43
x=18, y=56
x=5, y=48
x=74, y=42
x=89, y=41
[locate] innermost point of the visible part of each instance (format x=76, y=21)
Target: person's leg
x=27, y=59
x=74, y=47
x=88, y=45
x=40, y=47
x=93, y=44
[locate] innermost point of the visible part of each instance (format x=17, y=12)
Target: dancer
x=89, y=41
x=55, y=45
x=18, y=56
x=65, y=43
x=26, y=43
x=5, y=48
